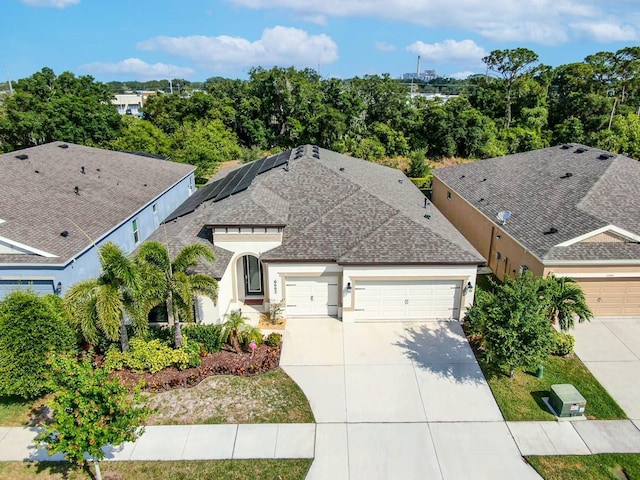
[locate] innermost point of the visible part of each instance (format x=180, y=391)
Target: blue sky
x=198, y=39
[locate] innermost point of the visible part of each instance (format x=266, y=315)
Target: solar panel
x=282, y=158
x=267, y=164
x=234, y=182
x=188, y=206
x=215, y=189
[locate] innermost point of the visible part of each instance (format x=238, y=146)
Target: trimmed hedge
x=31, y=328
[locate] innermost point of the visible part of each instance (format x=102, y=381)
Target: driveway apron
x=610, y=349
x=398, y=400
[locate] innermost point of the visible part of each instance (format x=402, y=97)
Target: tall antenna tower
x=9, y=79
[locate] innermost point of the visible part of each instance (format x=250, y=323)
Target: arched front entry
x=252, y=276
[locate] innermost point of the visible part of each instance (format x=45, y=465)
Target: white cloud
x=461, y=75
x=541, y=21
x=449, y=51
x=277, y=46
x=50, y=3
x=605, y=31
x=138, y=69
x=384, y=47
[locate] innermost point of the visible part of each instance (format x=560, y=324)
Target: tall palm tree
x=566, y=302
x=102, y=304
x=172, y=282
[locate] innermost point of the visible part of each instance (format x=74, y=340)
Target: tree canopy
x=518, y=106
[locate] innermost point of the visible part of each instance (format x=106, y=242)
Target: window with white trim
x=136, y=232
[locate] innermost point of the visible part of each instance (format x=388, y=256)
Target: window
x=448, y=195
x=136, y=232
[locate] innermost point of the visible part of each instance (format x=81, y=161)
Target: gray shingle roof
x=599, y=192
x=343, y=209
x=37, y=207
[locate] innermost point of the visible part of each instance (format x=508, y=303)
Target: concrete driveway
x=397, y=400
x=610, y=348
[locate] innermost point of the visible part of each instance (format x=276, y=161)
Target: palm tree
x=100, y=304
x=566, y=302
x=172, y=282
x=236, y=330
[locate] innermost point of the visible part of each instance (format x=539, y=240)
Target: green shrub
x=563, y=344
x=152, y=356
x=30, y=328
x=206, y=335
x=273, y=339
x=250, y=333
x=423, y=183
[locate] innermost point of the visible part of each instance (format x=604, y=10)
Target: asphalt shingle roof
x=574, y=192
x=38, y=201
x=339, y=208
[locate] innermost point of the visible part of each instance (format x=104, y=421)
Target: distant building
x=131, y=103
x=425, y=76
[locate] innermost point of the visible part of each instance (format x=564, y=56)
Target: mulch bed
x=225, y=362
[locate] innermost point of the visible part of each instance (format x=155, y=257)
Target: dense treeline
x=521, y=105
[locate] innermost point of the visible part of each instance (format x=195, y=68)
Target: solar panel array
x=231, y=184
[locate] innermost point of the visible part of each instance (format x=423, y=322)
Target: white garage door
x=407, y=300
x=311, y=296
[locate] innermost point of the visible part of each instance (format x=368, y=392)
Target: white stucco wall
x=230, y=286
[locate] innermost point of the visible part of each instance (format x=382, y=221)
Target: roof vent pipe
x=22, y=156
x=551, y=231
x=76, y=190
x=567, y=175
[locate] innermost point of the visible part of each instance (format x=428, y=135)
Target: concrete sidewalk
x=576, y=438
x=184, y=442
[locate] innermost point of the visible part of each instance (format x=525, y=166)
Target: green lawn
x=16, y=412
x=613, y=466
x=520, y=398
x=289, y=469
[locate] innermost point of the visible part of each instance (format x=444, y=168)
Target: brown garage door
x=618, y=297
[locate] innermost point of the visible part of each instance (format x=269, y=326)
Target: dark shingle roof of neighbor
x=601, y=190
x=336, y=208
x=38, y=200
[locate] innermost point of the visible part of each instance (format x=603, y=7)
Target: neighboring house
x=60, y=201
x=573, y=212
x=325, y=234
x=128, y=104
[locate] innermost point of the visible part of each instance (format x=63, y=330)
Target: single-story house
x=568, y=210
x=60, y=201
x=325, y=234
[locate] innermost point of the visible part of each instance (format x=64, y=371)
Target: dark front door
x=252, y=276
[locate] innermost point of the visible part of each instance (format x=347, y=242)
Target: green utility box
x=567, y=401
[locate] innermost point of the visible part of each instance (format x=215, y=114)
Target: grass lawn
x=271, y=397
x=16, y=412
x=614, y=466
x=289, y=469
x=520, y=398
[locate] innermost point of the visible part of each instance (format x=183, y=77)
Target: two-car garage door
x=375, y=300
x=612, y=297
x=383, y=300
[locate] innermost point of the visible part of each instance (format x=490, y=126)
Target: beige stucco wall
x=594, y=271
x=483, y=234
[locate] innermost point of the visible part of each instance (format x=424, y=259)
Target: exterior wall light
x=59, y=288
x=348, y=287
x=468, y=288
